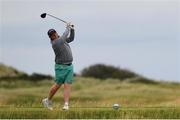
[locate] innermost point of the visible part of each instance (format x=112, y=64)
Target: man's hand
x=69, y=25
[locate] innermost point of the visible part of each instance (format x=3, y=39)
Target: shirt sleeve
x=66, y=33
x=71, y=37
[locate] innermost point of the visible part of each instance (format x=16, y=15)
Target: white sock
x=48, y=100
x=66, y=103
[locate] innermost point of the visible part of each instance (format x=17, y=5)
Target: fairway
x=91, y=98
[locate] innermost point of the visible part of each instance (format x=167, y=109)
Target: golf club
x=43, y=15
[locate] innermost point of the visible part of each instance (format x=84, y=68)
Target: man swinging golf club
x=63, y=65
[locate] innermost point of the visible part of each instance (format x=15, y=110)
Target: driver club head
x=43, y=15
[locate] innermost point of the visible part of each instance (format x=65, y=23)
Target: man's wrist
x=71, y=27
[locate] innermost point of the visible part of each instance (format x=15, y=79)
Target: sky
x=139, y=35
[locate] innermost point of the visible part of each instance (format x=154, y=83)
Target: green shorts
x=63, y=74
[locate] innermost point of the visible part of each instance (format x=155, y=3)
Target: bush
x=33, y=77
x=102, y=71
x=38, y=76
x=141, y=79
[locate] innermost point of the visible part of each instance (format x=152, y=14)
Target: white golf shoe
x=47, y=103
x=66, y=107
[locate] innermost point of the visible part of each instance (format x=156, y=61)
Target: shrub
x=102, y=71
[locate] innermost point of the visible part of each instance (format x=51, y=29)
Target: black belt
x=68, y=64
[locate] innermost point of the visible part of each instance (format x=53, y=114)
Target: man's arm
x=71, y=37
x=66, y=33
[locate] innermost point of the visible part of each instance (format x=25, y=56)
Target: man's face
x=54, y=36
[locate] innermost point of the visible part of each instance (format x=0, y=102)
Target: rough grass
x=91, y=98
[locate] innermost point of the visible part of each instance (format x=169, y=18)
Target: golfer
x=63, y=65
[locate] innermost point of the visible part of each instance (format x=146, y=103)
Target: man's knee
x=67, y=86
x=56, y=86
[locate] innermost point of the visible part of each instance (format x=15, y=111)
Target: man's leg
x=67, y=88
x=53, y=90
x=47, y=101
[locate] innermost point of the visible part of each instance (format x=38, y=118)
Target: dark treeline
x=102, y=71
x=33, y=77
x=99, y=71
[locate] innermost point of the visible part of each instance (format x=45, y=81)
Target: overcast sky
x=140, y=35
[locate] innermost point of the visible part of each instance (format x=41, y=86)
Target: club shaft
x=57, y=18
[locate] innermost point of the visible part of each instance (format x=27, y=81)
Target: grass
x=91, y=98
x=93, y=113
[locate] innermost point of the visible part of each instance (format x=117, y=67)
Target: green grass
x=93, y=113
x=91, y=98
